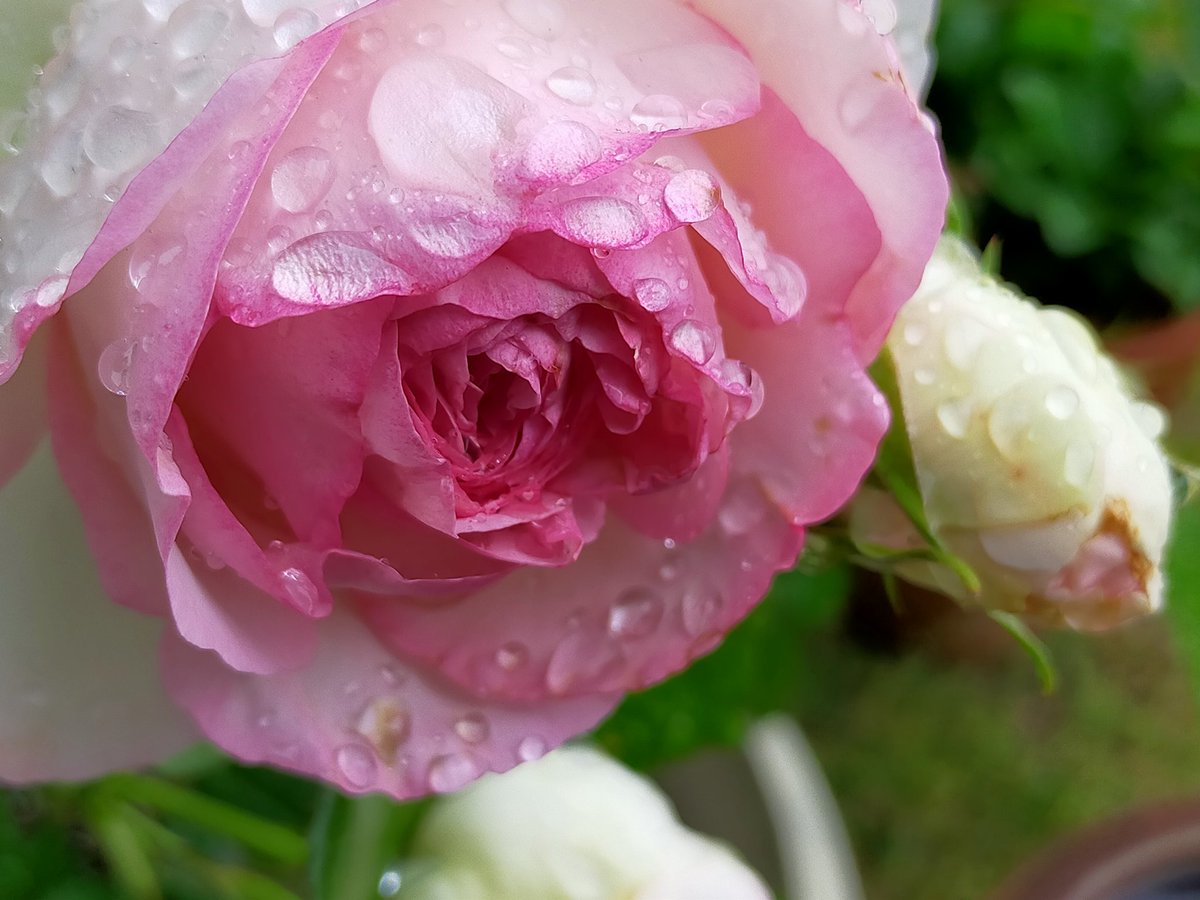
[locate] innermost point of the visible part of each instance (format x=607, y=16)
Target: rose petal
x=81, y=693
x=630, y=611
x=838, y=77
x=361, y=719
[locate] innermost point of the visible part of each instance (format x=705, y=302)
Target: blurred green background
x=1073, y=131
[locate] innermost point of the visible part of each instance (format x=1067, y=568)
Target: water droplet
x=1150, y=419
x=924, y=376
x=1075, y=339
x=582, y=660
x=51, y=291
x=541, y=18
x=390, y=883
x=373, y=40
x=302, y=179
x=300, y=590
x=357, y=765
x=432, y=35
x=1009, y=424
x=195, y=27
x=573, y=84
x=472, y=728
x=1079, y=462
x=602, y=222
x=636, y=614
x=701, y=605
x=659, y=112
x=914, y=333
x=293, y=26
x=386, y=724
x=451, y=772
x=512, y=656
x=114, y=365
x=152, y=255
x=652, y=293
x=694, y=341
x=692, y=196
x=963, y=339
x=955, y=416
x=531, y=748
x=117, y=138
x=882, y=13
x=1062, y=402
x=514, y=48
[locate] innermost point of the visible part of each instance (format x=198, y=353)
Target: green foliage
x=1085, y=118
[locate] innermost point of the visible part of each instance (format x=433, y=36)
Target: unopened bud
x=1036, y=465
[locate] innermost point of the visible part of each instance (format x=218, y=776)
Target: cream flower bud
x=573, y=824
x=1036, y=465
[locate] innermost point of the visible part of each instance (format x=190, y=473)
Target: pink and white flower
x=428, y=375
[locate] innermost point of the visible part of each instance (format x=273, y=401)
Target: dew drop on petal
x=692, y=195
x=636, y=614
x=1079, y=462
x=602, y=222
x=386, y=724
x=451, y=772
x=299, y=589
x=659, y=112
x=531, y=748
x=883, y=13
x=1062, y=402
x=1150, y=419
x=582, y=659
x=701, y=605
x=357, y=765
x=573, y=84
x=432, y=35
x=541, y=18
x=512, y=656
x=962, y=341
x=294, y=26
x=694, y=341
x=472, y=728
x=652, y=293
x=955, y=416
x=113, y=367
x=118, y=136
x=302, y=179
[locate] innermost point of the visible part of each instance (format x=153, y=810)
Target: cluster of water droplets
x=128, y=76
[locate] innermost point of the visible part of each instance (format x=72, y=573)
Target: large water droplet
x=357, y=765
x=701, y=606
x=531, y=748
x=636, y=614
x=114, y=365
x=541, y=18
x=582, y=660
x=472, y=728
x=963, y=339
x=432, y=35
x=302, y=179
x=512, y=656
x=652, y=293
x=299, y=590
x=118, y=137
x=452, y=772
x=692, y=195
x=602, y=222
x=659, y=112
x=386, y=724
x=883, y=14
x=1150, y=419
x=1079, y=462
x=294, y=26
x=1062, y=402
x=694, y=341
x=573, y=84
x=955, y=416
x=195, y=27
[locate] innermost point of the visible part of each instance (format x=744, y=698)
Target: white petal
x=79, y=688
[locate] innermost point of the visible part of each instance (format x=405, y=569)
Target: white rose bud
x=573, y=824
x=1036, y=465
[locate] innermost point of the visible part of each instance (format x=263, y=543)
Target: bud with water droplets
x=574, y=824
x=1036, y=466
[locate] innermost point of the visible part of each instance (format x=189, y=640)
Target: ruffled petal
x=841, y=83
x=81, y=691
x=362, y=720
x=630, y=611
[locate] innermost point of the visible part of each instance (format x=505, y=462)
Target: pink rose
x=432, y=373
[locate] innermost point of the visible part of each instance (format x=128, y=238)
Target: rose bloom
x=427, y=375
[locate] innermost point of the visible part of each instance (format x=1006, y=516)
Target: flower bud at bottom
x=1036, y=465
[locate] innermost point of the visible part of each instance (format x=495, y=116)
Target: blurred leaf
x=355, y=840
